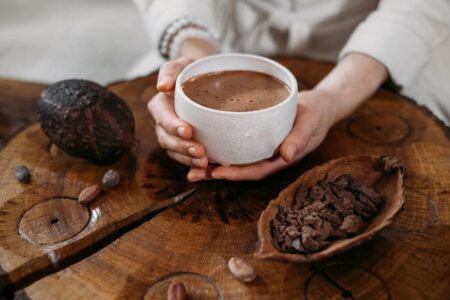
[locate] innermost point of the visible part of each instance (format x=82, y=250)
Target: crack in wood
x=345, y=292
x=10, y=290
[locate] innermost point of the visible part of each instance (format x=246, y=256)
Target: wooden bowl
x=385, y=175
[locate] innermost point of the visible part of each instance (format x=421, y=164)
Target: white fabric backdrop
x=50, y=40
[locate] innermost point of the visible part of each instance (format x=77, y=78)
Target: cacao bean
x=176, y=291
x=89, y=194
x=111, y=179
x=23, y=174
x=241, y=269
x=54, y=150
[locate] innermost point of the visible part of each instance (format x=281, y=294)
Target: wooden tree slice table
x=156, y=227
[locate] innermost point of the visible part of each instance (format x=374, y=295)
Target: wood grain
x=32, y=243
x=194, y=239
x=53, y=221
x=18, y=106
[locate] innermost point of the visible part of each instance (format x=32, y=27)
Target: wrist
x=340, y=102
x=204, y=40
x=325, y=104
x=352, y=82
x=196, y=48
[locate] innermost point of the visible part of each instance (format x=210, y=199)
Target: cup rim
x=292, y=93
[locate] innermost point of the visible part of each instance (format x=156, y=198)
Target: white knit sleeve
x=402, y=34
x=162, y=17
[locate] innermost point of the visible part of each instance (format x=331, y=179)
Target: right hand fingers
x=178, y=145
x=255, y=171
x=168, y=73
x=189, y=161
x=162, y=110
x=297, y=140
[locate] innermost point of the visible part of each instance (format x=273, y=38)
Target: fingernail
x=290, y=152
x=180, y=131
x=192, y=151
x=165, y=80
x=197, y=162
x=193, y=178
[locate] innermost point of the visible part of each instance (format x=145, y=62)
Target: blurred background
x=50, y=40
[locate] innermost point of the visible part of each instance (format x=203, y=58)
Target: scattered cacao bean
x=89, y=194
x=111, y=179
x=54, y=150
x=176, y=291
x=23, y=174
x=241, y=269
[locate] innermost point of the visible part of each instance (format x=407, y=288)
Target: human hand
x=316, y=113
x=174, y=135
x=348, y=85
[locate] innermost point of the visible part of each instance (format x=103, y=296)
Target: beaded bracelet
x=180, y=30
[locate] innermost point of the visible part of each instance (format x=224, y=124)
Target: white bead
x=176, y=33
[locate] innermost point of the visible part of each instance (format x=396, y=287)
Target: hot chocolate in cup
x=235, y=134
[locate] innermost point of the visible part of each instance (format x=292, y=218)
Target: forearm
x=353, y=80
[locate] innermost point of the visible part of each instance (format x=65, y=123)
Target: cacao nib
x=316, y=193
x=353, y=225
x=363, y=211
x=309, y=243
x=332, y=216
x=390, y=165
x=338, y=234
x=342, y=181
x=338, y=205
x=314, y=220
x=366, y=201
x=301, y=196
x=334, y=208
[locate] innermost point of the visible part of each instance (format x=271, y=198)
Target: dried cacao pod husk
x=369, y=170
x=86, y=120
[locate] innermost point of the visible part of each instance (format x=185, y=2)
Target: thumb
x=296, y=141
x=169, y=72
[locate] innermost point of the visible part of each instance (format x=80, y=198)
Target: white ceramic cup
x=233, y=138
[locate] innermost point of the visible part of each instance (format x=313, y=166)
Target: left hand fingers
x=197, y=174
x=254, y=171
